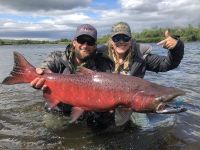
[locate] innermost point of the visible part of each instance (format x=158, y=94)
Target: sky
x=58, y=19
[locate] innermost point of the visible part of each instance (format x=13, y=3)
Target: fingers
x=161, y=42
x=44, y=87
x=38, y=83
x=42, y=71
x=167, y=34
x=168, y=42
x=39, y=71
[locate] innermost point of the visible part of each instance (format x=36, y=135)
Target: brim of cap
x=84, y=33
x=126, y=33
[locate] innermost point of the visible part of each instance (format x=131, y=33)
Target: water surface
x=22, y=116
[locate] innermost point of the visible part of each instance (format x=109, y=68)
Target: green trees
x=187, y=34
x=190, y=33
x=26, y=41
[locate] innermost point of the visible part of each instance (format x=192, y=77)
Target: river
x=22, y=115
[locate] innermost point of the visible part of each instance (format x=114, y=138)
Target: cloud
x=140, y=5
x=59, y=19
x=162, y=13
x=45, y=5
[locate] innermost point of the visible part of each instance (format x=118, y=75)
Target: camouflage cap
x=86, y=29
x=121, y=28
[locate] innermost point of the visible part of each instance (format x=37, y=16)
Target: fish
x=89, y=90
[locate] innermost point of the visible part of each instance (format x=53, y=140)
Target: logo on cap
x=86, y=29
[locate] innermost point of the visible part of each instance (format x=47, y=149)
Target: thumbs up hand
x=168, y=42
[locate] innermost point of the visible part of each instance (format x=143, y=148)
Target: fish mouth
x=164, y=107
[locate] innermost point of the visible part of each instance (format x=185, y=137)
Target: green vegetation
x=187, y=34
x=26, y=41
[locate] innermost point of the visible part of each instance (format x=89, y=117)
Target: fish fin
x=140, y=119
x=122, y=115
x=86, y=71
x=75, y=114
x=23, y=71
x=12, y=80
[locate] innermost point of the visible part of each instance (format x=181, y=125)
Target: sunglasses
x=88, y=41
x=121, y=37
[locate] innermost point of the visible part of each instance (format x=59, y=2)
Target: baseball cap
x=121, y=28
x=86, y=29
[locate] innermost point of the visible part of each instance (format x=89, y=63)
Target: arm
x=158, y=63
x=53, y=62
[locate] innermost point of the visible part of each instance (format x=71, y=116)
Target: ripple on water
x=22, y=123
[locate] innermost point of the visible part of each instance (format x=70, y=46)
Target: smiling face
x=121, y=44
x=84, y=47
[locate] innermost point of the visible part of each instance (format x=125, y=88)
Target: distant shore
x=187, y=34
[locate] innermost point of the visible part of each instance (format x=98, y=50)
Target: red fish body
x=94, y=91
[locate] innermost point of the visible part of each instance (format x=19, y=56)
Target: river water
x=23, y=119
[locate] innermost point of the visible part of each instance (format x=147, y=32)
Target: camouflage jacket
x=62, y=62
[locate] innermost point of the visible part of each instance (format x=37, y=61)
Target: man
x=80, y=52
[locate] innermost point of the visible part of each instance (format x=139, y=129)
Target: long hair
x=112, y=54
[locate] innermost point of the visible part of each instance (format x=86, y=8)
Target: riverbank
x=186, y=34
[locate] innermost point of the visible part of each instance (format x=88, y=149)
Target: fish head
x=164, y=104
x=161, y=103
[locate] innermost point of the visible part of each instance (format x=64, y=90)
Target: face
x=121, y=43
x=85, y=47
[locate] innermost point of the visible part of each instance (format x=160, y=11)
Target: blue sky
x=52, y=20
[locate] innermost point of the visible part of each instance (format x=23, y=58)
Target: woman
x=134, y=59
x=131, y=58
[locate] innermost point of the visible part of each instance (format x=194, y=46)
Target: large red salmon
x=94, y=91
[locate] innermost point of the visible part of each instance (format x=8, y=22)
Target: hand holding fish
x=97, y=91
x=168, y=42
x=38, y=83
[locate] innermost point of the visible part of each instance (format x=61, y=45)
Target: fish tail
x=23, y=71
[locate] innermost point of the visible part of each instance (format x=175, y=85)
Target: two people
x=121, y=55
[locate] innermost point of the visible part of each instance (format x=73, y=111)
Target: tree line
x=187, y=34
x=26, y=41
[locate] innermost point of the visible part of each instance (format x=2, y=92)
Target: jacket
x=62, y=62
x=142, y=60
